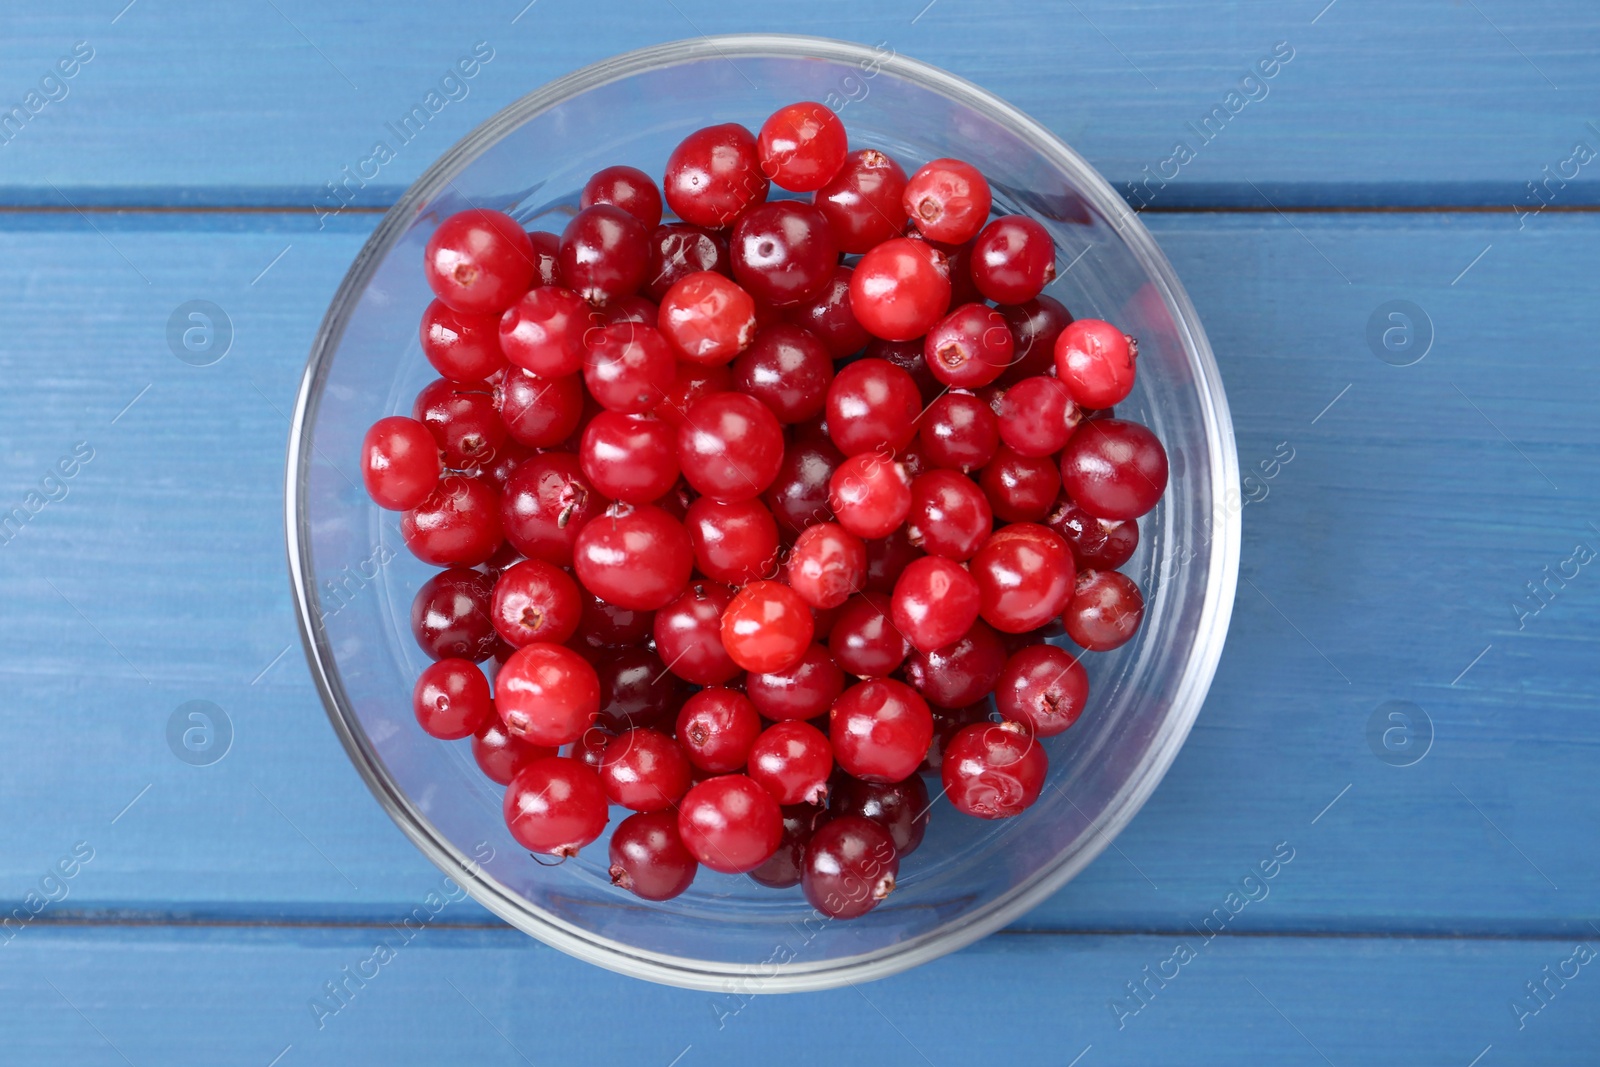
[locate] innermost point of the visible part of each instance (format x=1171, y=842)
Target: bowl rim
x=715, y=976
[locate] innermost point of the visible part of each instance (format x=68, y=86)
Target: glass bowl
x=353, y=580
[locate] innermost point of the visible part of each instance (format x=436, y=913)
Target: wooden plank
x=1383, y=562
x=1416, y=104
x=109, y=996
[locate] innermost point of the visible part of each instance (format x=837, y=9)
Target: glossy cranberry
x=547, y=694
x=733, y=543
x=543, y=331
x=555, y=806
x=969, y=347
x=628, y=367
x=730, y=446
x=792, y=761
x=900, y=289
x=947, y=723
x=629, y=458
x=605, y=252
x=634, y=555
x=802, y=146
x=1025, y=577
x=850, y=866
x=993, y=770
x=935, y=601
x=1034, y=327
x=714, y=175
x=1037, y=416
x=887, y=557
x=1114, y=469
x=803, y=691
x=707, y=318
x=546, y=257
x=451, y=699
x=873, y=406
x=1020, y=488
x=628, y=188
x=870, y=495
x=950, y=516
x=690, y=383
x=450, y=615
x=730, y=823
x=862, y=201
x=798, y=495
x=783, y=867
x=907, y=355
x=461, y=347
x=901, y=808
x=828, y=564
x=605, y=625
x=948, y=200
x=535, y=601
x=458, y=525
x=880, y=730
x=788, y=370
x=1104, y=612
x=864, y=641
x=767, y=627
x=960, y=673
x=644, y=770
x=500, y=754
x=1097, y=362
x=635, y=309
x=678, y=250
x=717, y=728
x=590, y=749
x=959, y=432
x=547, y=503
x=540, y=412
x=1042, y=687
x=1013, y=259
x=830, y=317
x=636, y=689
x=462, y=419
x=648, y=858
x=783, y=252
x=399, y=463
x=1097, y=544
x=688, y=634
x=479, y=262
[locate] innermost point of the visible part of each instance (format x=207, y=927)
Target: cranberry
x=948, y=200
x=900, y=808
x=969, y=347
x=829, y=316
x=963, y=290
x=547, y=694
x=1037, y=415
x=862, y=201
x=451, y=699
x=827, y=565
x=628, y=367
x=605, y=625
x=688, y=633
x=864, y=640
x=870, y=495
x=500, y=754
x=960, y=673
x=900, y=289
x=540, y=412
x=535, y=601
x=648, y=858
x=1043, y=688
x=935, y=602
x=1025, y=577
x=690, y=383
x=1097, y=544
x=450, y=615
x=635, y=309
x=782, y=868
x=1013, y=259
x=458, y=525
x=678, y=250
x=783, y=252
x=1034, y=327
x=798, y=496
x=850, y=866
x=714, y=175
x=950, y=516
x=1020, y=488
x=546, y=258
x=717, y=728
x=461, y=347
x=1104, y=612
x=590, y=749
x=707, y=319
x=629, y=458
x=479, y=261
x=1097, y=362
x=730, y=823
x=887, y=557
x=730, y=446
x=1114, y=469
x=767, y=627
x=644, y=770
x=605, y=252
x=547, y=503
x=803, y=691
x=543, y=331
x=636, y=556
x=873, y=405
x=555, y=806
x=959, y=432
x=792, y=761
x=947, y=723
x=880, y=730
x=636, y=689
x=399, y=463
x=802, y=146
x=993, y=770
x=462, y=419
x=907, y=355
x=628, y=188
x=733, y=543
x=788, y=370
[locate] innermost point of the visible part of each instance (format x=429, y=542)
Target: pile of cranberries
x=753, y=511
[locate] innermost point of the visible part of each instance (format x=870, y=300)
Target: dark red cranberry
x=479, y=261
x=1013, y=259
x=535, y=601
x=399, y=463
x=959, y=432
x=880, y=730
x=900, y=808
x=730, y=823
x=648, y=858
x=636, y=689
x=717, y=728
x=827, y=565
x=887, y=557
x=870, y=495
x=803, y=691
x=1104, y=612
x=635, y=309
x=947, y=723
x=960, y=673
x=792, y=761
x=1034, y=326
x=935, y=601
x=543, y=331
x=678, y=250
x=1037, y=416
x=1042, y=687
x=782, y=869
x=629, y=457
x=1097, y=362
x=1020, y=488
x=501, y=755
x=730, y=446
x=802, y=146
x=628, y=188
x=787, y=369
x=873, y=406
x=714, y=175
x=635, y=555
x=948, y=199
x=688, y=633
x=1025, y=577
x=461, y=347
x=1114, y=469
x=950, y=516
x=462, y=419
x=862, y=201
x=733, y=543
x=829, y=316
x=605, y=625
x=555, y=806
x=900, y=289
x=1097, y=544
x=798, y=495
x=644, y=770
x=547, y=694
x=547, y=503
x=994, y=770
x=907, y=355
x=604, y=253
x=450, y=615
x=864, y=640
x=969, y=347
x=767, y=627
x=707, y=318
x=451, y=699
x=458, y=525
x=783, y=252
x=850, y=866
x=628, y=367
x=540, y=412
x=590, y=749
x=546, y=258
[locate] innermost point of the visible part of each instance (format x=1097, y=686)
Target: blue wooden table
x=1428, y=552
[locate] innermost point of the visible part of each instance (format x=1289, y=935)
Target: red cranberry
x=935, y=602
x=714, y=175
x=792, y=761
x=540, y=412
x=733, y=543
x=399, y=463
x=1104, y=612
x=783, y=252
x=637, y=556
x=730, y=446
x=873, y=406
x=678, y=250
x=501, y=755
x=1037, y=416
x=479, y=261
x=1025, y=577
x=547, y=694
x=798, y=495
x=536, y=601
x=543, y=331
x=644, y=770
x=1020, y=488
x=994, y=770
x=887, y=557
x=461, y=347
x=450, y=615
x=900, y=289
x=707, y=319
x=1096, y=361
x=969, y=347
x=1043, y=688
x=949, y=515
x=948, y=200
x=451, y=699
x=555, y=806
x=1114, y=469
x=828, y=315
x=864, y=640
x=767, y=627
x=458, y=525
x=546, y=258
x=605, y=625
x=628, y=367
x=880, y=730
x=1097, y=544
x=870, y=495
x=604, y=253
x=547, y=503
x=960, y=673
x=648, y=858
x=730, y=823
x=827, y=565
x=959, y=432
x=782, y=868
x=462, y=420
x=900, y=808
x=688, y=633
x=690, y=383
x=1013, y=259
x=636, y=689
x=850, y=866
x=628, y=188
x=591, y=747
x=803, y=691
x=717, y=728
x=629, y=458
x=862, y=201
x=802, y=146
x=1034, y=327
x=788, y=370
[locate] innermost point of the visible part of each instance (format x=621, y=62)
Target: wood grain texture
x=1461, y=103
